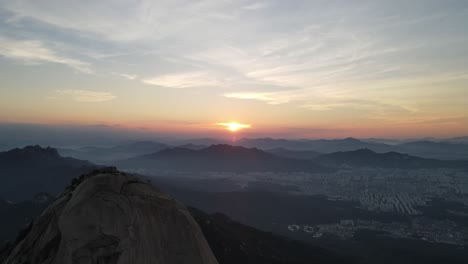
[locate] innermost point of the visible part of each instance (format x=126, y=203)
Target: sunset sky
x=296, y=69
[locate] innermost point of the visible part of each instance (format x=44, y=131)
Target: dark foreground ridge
x=109, y=217
x=234, y=243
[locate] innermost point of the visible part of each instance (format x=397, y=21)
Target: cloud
x=256, y=6
x=304, y=53
x=266, y=97
x=184, y=80
x=372, y=106
x=145, y=20
x=34, y=52
x=128, y=76
x=86, y=96
x=277, y=97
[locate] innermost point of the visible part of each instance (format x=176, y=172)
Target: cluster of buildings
x=420, y=228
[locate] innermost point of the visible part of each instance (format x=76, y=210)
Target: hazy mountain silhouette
x=192, y=146
x=294, y=154
x=33, y=169
x=200, y=141
x=386, y=141
x=320, y=145
x=106, y=155
x=437, y=150
x=369, y=158
x=423, y=148
x=442, y=149
x=218, y=158
x=463, y=140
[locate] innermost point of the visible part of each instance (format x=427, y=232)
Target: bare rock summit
x=109, y=217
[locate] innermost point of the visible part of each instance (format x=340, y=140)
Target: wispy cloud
x=266, y=97
x=256, y=6
x=184, y=80
x=372, y=107
x=35, y=52
x=127, y=76
x=86, y=96
x=303, y=54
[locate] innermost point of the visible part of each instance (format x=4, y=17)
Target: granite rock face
x=108, y=217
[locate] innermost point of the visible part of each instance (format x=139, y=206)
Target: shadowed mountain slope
x=218, y=158
x=107, y=155
x=368, y=158
x=234, y=243
x=436, y=150
x=294, y=154
x=27, y=171
x=16, y=216
x=319, y=145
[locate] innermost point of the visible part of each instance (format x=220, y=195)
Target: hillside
x=294, y=154
x=436, y=150
x=319, y=145
x=369, y=158
x=218, y=158
x=233, y=243
x=33, y=169
x=107, y=155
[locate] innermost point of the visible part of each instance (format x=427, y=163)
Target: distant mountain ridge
x=438, y=149
x=294, y=154
x=107, y=155
x=319, y=145
x=242, y=159
x=369, y=158
x=455, y=148
x=30, y=153
x=218, y=158
x=32, y=169
x=463, y=140
x=446, y=150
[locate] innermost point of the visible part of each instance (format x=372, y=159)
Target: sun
x=234, y=126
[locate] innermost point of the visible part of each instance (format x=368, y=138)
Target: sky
x=294, y=69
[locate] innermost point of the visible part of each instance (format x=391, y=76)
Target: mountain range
x=449, y=149
x=33, y=169
x=369, y=158
x=294, y=154
x=106, y=155
x=43, y=241
x=38, y=168
x=218, y=158
x=242, y=159
x=455, y=148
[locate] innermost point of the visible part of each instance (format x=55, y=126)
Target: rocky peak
x=109, y=217
x=33, y=152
